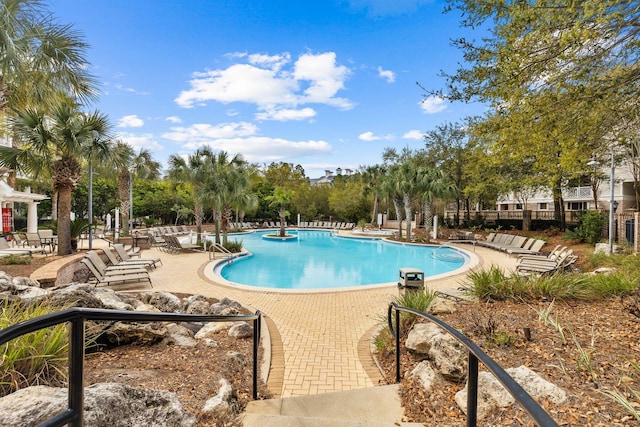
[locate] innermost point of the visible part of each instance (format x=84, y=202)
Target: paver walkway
x=320, y=331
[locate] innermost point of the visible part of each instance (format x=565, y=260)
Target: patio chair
x=122, y=278
x=113, y=259
x=177, y=246
x=47, y=238
x=535, y=248
x=112, y=270
x=126, y=256
x=19, y=240
x=540, y=266
x=5, y=248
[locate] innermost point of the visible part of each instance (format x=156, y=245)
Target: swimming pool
x=318, y=260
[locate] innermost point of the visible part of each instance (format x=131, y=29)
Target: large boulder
x=121, y=333
x=241, y=330
x=211, y=329
x=220, y=404
x=105, y=405
x=163, y=301
x=425, y=374
x=179, y=335
x=449, y=357
x=493, y=395
x=420, y=337
x=225, y=307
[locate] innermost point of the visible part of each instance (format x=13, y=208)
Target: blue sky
x=324, y=84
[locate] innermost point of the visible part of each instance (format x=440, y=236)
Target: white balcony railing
x=574, y=193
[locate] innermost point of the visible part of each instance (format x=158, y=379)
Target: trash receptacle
x=410, y=279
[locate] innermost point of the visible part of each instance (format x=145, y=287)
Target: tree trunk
x=198, y=213
x=558, y=207
x=283, y=218
x=64, y=221
x=408, y=212
x=123, y=193
x=428, y=219
x=374, y=214
x=216, y=220
x=397, y=204
x=54, y=204
x=457, y=219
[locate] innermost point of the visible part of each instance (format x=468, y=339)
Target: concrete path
x=320, y=340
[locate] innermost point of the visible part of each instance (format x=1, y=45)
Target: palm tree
x=405, y=180
x=216, y=187
x=39, y=60
x=130, y=164
x=193, y=170
x=58, y=142
x=387, y=190
x=432, y=184
x=370, y=176
x=282, y=198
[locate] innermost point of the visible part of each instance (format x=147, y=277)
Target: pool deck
x=320, y=341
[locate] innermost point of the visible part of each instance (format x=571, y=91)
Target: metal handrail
x=73, y=415
x=541, y=417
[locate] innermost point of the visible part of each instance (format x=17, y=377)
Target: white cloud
x=174, y=119
x=388, y=75
x=325, y=78
x=433, y=104
x=369, y=136
x=271, y=82
x=413, y=134
x=140, y=140
x=286, y=114
x=241, y=138
x=131, y=121
x=200, y=134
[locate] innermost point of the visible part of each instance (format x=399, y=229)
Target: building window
x=577, y=206
x=518, y=206
x=542, y=206
x=504, y=207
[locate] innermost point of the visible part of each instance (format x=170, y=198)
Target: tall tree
x=58, y=142
x=281, y=198
x=194, y=170
x=130, y=164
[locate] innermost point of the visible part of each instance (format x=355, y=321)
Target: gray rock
x=210, y=329
x=105, y=405
x=449, y=357
x=220, y=404
x=198, y=307
x=425, y=374
x=241, y=330
x=121, y=333
x=420, y=337
x=179, y=335
x=163, y=301
x=492, y=394
x=442, y=306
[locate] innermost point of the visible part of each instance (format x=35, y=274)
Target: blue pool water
x=318, y=260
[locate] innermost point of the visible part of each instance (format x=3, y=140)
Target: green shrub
x=16, y=260
x=36, y=358
x=589, y=228
x=234, y=246
x=417, y=300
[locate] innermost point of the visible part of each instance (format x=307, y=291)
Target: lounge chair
x=177, y=246
x=126, y=256
x=545, y=266
x=534, y=249
x=113, y=259
x=121, y=278
x=5, y=248
x=112, y=270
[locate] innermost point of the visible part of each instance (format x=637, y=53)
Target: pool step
x=371, y=407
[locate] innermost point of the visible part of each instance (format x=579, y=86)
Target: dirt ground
x=593, y=351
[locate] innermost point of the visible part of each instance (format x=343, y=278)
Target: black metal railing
x=540, y=416
x=73, y=415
